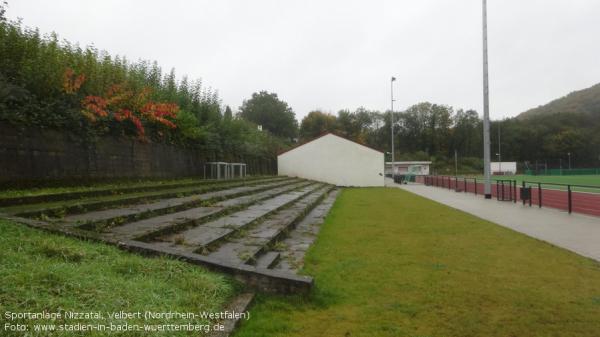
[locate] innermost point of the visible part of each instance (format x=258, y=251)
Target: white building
x=419, y=168
x=504, y=168
x=334, y=160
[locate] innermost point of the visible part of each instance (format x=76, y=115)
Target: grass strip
x=389, y=263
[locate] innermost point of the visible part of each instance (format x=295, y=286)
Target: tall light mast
x=392, y=123
x=486, y=111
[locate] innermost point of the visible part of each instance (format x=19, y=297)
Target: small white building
x=335, y=160
x=504, y=168
x=419, y=168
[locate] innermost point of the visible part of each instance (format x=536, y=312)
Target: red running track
x=581, y=202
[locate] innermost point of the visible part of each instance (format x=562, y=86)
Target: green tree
x=2, y=10
x=273, y=114
x=316, y=123
x=467, y=133
x=355, y=125
x=228, y=114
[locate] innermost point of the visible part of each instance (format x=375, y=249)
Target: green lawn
x=389, y=263
x=41, y=271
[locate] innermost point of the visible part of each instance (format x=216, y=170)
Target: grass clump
x=389, y=263
x=179, y=239
x=41, y=271
x=279, y=246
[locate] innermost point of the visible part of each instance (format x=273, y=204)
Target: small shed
x=335, y=160
x=504, y=168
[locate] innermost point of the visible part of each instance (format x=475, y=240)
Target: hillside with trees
x=586, y=101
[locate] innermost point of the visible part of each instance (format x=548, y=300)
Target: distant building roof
x=409, y=163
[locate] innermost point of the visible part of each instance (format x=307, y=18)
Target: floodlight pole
x=486, y=112
x=499, y=150
x=392, y=123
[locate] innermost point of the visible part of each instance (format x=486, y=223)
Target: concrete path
x=575, y=232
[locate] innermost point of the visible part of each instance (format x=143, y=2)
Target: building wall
x=334, y=160
x=34, y=155
x=504, y=167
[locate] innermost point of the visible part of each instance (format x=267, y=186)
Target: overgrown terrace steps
x=152, y=227
x=297, y=242
x=100, y=191
x=61, y=208
x=265, y=235
x=118, y=216
x=251, y=229
x=201, y=238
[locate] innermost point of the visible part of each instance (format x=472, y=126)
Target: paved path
x=575, y=232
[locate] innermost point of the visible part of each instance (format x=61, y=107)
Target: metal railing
x=587, y=193
x=570, y=197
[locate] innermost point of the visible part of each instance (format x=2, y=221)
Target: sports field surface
x=390, y=263
x=591, y=180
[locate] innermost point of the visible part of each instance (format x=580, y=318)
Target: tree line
x=48, y=83
x=437, y=132
x=425, y=131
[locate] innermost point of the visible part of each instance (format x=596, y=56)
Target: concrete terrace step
x=201, y=237
x=240, y=303
x=82, y=205
x=304, y=234
x=152, y=225
x=167, y=223
x=119, y=216
x=267, y=260
x=259, y=238
x=266, y=280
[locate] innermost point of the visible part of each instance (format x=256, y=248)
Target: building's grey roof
x=409, y=163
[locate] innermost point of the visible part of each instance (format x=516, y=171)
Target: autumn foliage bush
x=123, y=105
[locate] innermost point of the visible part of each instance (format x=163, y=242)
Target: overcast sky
x=333, y=55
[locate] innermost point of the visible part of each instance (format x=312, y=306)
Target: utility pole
x=486, y=111
x=392, y=123
x=560, y=165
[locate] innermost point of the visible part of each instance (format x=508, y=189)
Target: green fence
x=563, y=172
